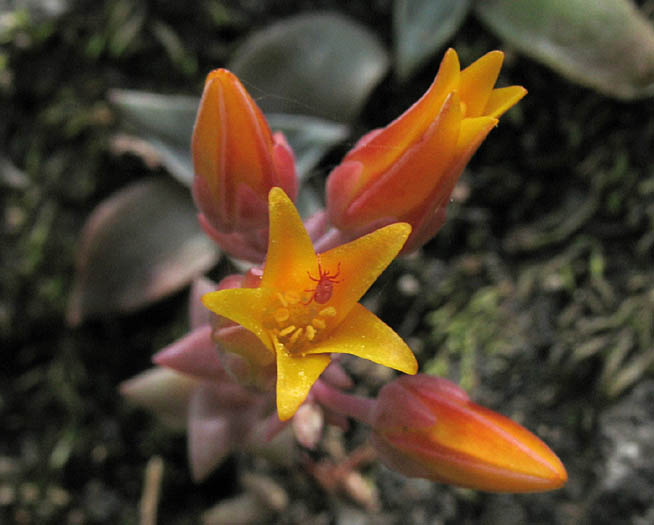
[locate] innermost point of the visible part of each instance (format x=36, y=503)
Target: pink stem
x=356, y=407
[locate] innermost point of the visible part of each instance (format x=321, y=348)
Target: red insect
x=323, y=290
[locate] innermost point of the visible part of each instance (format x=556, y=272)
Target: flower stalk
x=282, y=325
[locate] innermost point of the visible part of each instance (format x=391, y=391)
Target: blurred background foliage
x=537, y=295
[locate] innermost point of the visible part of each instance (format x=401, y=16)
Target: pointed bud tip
x=427, y=427
x=236, y=160
x=221, y=74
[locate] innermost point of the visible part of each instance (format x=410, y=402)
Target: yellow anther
x=293, y=324
x=330, y=311
x=288, y=330
x=281, y=299
x=292, y=297
x=296, y=335
x=319, y=323
x=281, y=315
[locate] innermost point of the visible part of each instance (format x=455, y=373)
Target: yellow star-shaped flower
x=306, y=307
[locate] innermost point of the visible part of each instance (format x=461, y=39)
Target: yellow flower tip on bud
x=236, y=157
x=407, y=170
x=427, y=427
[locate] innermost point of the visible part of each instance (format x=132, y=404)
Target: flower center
x=295, y=325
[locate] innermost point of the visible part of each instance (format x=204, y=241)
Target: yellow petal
x=503, y=99
x=361, y=262
x=295, y=377
x=244, y=306
x=290, y=250
x=363, y=334
x=472, y=134
x=477, y=81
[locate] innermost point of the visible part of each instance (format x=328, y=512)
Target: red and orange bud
x=427, y=427
x=236, y=158
x=407, y=170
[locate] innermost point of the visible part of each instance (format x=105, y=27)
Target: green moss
x=466, y=333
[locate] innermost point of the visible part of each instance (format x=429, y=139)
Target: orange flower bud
x=427, y=427
x=407, y=170
x=237, y=159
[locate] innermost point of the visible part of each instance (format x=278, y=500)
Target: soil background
x=537, y=295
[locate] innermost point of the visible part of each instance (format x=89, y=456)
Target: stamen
x=281, y=315
x=294, y=325
x=276, y=344
x=319, y=323
x=296, y=335
x=281, y=299
x=330, y=311
x=288, y=330
x=292, y=297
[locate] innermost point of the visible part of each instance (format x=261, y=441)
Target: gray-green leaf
x=165, y=122
x=323, y=65
x=310, y=137
x=604, y=44
x=421, y=27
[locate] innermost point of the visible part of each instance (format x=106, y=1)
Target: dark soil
x=537, y=295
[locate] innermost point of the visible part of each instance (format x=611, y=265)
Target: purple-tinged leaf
x=164, y=392
x=138, y=246
x=198, y=313
x=194, y=354
x=209, y=432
